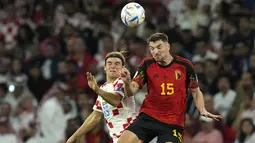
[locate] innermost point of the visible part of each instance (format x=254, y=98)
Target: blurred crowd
x=47, y=46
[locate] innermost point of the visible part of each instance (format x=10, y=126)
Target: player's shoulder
x=148, y=60
x=118, y=82
x=103, y=85
x=184, y=61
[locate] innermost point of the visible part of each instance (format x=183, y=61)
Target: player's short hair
x=119, y=55
x=158, y=36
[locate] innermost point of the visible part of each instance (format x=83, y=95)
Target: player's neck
x=167, y=61
x=110, y=80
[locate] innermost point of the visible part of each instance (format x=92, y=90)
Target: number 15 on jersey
x=167, y=89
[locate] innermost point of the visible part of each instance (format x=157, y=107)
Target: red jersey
x=167, y=88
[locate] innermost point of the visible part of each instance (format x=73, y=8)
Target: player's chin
x=158, y=59
x=113, y=75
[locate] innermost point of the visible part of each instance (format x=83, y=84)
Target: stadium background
x=46, y=46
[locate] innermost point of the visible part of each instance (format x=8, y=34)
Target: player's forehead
x=113, y=60
x=156, y=43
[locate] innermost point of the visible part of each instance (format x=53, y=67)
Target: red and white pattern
x=120, y=117
x=9, y=30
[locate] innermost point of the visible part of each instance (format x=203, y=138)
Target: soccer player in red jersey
x=168, y=79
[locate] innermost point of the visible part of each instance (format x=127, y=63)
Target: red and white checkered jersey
x=120, y=117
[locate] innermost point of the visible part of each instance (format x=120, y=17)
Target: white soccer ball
x=132, y=14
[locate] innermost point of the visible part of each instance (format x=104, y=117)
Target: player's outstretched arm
x=113, y=98
x=93, y=119
x=199, y=101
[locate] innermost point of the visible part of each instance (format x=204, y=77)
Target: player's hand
x=125, y=75
x=92, y=81
x=209, y=115
x=71, y=139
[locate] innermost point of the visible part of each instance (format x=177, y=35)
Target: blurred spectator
x=25, y=42
x=84, y=105
x=224, y=99
x=211, y=75
x=250, y=111
x=207, y=133
x=240, y=61
x=50, y=52
x=178, y=49
x=17, y=92
x=10, y=27
x=36, y=83
x=25, y=118
x=52, y=120
x=193, y=16
x=247, y=134
x=3, y=91
x=227, y=132
x=77, y=52
x=5, y=134
x=139, y=48
x=187, y=38
x=216, y=26
x=17, y=72
x=245, y=33
x=203, y=52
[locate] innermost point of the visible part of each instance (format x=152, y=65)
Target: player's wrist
x=202, y=111
x=127, y=82
x=96, y=89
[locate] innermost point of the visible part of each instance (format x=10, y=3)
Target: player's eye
x=117, y=63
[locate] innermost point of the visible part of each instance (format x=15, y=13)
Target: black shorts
x=147, y=128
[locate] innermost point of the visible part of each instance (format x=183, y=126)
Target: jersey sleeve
x=140, y=76
x=119, y=88
x=97, y=105
x=192, y=76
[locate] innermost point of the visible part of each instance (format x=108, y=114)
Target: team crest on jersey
x=177, y=74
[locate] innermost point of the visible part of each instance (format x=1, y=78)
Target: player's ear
x=169, y=47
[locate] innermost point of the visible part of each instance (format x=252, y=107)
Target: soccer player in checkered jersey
x=118, y=110
x=168, y=78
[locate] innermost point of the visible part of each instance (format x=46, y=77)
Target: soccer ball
x=132, y=14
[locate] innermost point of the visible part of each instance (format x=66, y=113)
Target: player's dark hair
x=121, y=55
x=158, y=36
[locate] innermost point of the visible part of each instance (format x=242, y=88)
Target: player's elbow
x=116, y=102
x=195, y=92
x=96, y=116
x=116, y=99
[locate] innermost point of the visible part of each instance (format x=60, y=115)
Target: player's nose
x=112, y=66
x=155, y=51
